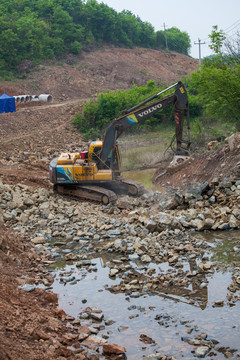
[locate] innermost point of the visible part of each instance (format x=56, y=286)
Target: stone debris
x=202, y=207
x=149, y=231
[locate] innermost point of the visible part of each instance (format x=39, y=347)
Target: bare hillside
x=103, y=69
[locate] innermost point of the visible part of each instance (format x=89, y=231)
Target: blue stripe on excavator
x=63, y=174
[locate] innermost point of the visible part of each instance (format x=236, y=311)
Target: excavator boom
x=140, y=113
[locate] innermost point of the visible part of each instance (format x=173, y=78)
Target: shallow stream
x=165, y=320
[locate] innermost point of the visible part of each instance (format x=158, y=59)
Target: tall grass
x=147, y=149
x=140, y=150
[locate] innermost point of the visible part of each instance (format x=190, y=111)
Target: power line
x=234, y=25
x=238, y=21
x=233, y=29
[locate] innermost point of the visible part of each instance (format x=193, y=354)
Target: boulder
x=233, y=141
x=110, y=349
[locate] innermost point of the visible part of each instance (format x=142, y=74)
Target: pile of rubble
x=146, y=231
x=202, y=206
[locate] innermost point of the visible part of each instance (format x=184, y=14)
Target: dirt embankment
x=222, y=163
x=29, y=326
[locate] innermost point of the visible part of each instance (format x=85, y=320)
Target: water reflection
x=168, y=311
x=144, y=177
x=223, y=253
x=194, y=293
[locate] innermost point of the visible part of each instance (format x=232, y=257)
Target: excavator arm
x=141, y=112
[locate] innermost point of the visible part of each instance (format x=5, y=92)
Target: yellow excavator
x=95, y=174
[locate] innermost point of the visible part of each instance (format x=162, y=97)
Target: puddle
x=168, y=317
x=144, y=177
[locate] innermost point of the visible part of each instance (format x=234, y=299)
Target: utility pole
x=199, y=44
x=165, y=34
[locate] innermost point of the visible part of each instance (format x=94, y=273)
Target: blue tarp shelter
x=7, y=103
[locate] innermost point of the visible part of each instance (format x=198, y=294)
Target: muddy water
x=169, y=318
x=144, y=177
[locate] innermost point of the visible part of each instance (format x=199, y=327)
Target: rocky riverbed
x=136, y=237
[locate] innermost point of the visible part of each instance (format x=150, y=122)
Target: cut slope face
x=221, y=163
x=103, y=69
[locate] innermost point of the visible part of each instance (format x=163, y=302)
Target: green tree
x=130, y=28
x=217, y=38
x=160, y=40
x=178, y=41
x=76, y=47
x=218, y=90
x=147, y=36
x=42, y=29
x=8, y=48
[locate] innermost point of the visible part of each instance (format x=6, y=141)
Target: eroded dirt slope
x=223, y=162
x=29, y=327
x=106, y=68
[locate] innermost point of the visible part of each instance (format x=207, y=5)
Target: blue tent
x=7, y=103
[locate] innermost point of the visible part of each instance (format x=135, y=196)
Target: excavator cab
x=111, y=163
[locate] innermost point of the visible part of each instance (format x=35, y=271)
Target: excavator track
x=134, y=188
x=104, y=194
x=88, y=192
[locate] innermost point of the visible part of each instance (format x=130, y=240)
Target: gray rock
x=120, y=244
x=188, y=197
x=109, y=322
x=7, y=216
x=146, y=258
x=113, y=272
x=179, y=197
x=133, y=257
x=212, y=199
x=27, y=287
x=97, y=316
x=165, y=219
x=224, y=226
x=28, y=201
x=151, y=225
x=201, y=351
x=122, y=328
x=113, y=232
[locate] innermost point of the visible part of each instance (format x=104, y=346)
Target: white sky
x=195, y=17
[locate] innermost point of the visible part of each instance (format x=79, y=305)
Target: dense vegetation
x=97, y=115
x=43, y=29
x=217, y=89
x=214, y=99
x=216, y=85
